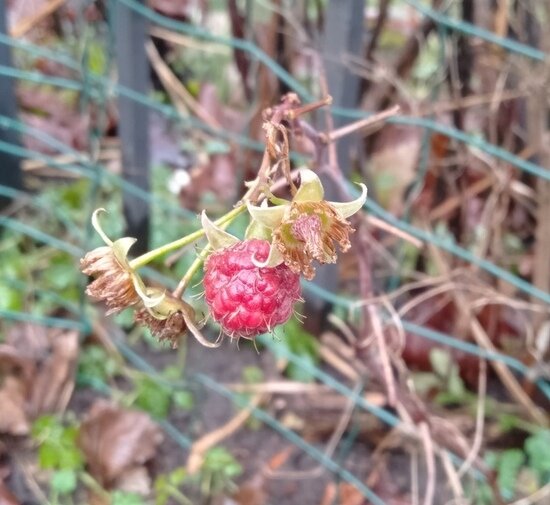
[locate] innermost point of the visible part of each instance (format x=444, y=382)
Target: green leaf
x=10, y=299
x=162, y=494
x=58, y=449
x=124, y=498
x=177, y=477
x=183, y=400
x=509, y=465
x=95, y=362
x=153, y=397
x=64, y=481
x=97, y=61
x=441, y=361
x=537, y=448
x=296, y=339
x=424, y=382
x=252, y=375
x=48, y=456
x=219, y=460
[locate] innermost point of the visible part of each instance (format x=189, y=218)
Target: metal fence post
x=10, y=167
x=133, y=73
x=343, y=35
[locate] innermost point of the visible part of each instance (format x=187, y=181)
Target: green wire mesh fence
x=98, y=88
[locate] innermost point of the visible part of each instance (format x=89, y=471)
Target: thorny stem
x=367, y=125
x=191, y=271
x=188, y=239
x=304, y=109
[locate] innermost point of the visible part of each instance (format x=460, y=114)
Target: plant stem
x=191, y=271
x=188, y=239
x=94, y=485
x=178, y=495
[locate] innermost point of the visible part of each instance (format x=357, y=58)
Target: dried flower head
x=309, y=231
x=170, y=319
x=115, y=282
x=167, y=320
x=307, y=228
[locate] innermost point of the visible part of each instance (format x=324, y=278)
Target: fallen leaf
x=251, y=492
x=12, y=399
x=116, y=441
x=37, y=368
x=280, y=458
x=54, y=383
x=7, y=497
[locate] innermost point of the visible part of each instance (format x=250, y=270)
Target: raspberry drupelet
x=245, y=299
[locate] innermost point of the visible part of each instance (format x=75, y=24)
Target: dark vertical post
x=10, y=168
x=343, y=35
x=133, y=129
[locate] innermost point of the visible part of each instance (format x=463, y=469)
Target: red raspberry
x=244, y=299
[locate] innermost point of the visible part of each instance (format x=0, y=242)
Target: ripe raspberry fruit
x=247, y=300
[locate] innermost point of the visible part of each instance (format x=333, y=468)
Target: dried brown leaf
x=54, y=382
x=115, y=441
x=280, y=458
x=12, y=399
x=36, y=375
x=251, y=492
x=7, y=497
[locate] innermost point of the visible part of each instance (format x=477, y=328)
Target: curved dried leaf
x=116, y=440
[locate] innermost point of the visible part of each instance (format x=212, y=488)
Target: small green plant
x=94, y=362
x=215, y=477
x=157, y=396
x=520, y=471
x=218, y=471
x=302, y=343
x=445, y=379
x=125, y=498
x=167, y=487
x=58, y=451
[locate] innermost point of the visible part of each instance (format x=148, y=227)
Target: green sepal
x=311, y=189
x=274, y=258
x=217, y=238
x=257, y=230
x=270, y=217
x=347, y=209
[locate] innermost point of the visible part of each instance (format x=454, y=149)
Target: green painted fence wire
x=475, y=31
x=83, y=165
x=46, y=321
x=294, y=438
x=460, y=252
x=171, y=112
x=349, y=113
x=41, y=203
x=263, y=416
x=39, y=235
x=98, y=88
x=439, y=337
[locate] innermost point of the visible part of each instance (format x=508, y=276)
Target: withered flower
x=116, y=283
x=170, y=319
x=307, y=228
